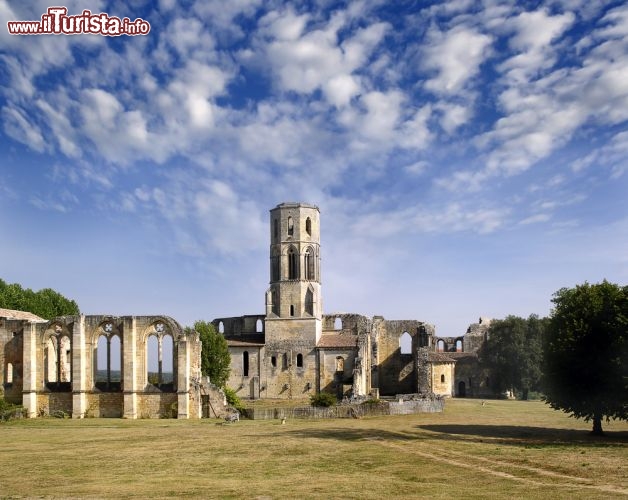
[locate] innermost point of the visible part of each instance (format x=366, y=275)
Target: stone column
x=130, y=363
x=183, y=379
x=29, y=367
x=79, y=369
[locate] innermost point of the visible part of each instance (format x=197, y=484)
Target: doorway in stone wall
x=462, y=389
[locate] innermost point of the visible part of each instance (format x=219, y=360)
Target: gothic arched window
x=274, y=264
x=309, y=302
x=309, y=264
x=308, y=226
x=290, y=226
x=293, y=264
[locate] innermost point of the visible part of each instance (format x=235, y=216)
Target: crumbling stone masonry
x=294, y=350
x=101, y=366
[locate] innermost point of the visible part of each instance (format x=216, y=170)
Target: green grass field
x=506, y=449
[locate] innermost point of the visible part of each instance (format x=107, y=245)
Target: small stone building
x=101, y=366
x=294, y=350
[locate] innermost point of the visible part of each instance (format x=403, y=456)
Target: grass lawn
x=506, y=449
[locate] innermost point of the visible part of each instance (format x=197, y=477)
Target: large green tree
x=586, y=353
x=513, y=354
x=215, y=357
x=45, y=303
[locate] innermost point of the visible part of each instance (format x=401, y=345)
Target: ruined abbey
x=294, y=350
x=148, y=366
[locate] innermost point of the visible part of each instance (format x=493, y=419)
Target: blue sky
x=468, y=158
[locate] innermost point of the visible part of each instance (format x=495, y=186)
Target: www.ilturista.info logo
x=57, y=22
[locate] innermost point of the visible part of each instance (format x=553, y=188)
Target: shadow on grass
x=534, y=437
x=525, y=435
x=356, y=434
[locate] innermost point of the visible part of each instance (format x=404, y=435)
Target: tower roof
x=294, y=204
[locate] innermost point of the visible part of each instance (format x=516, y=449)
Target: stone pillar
x=79, y=369
x=423, y=371
x=183, y=382
x=129, y=367
x=29, y=367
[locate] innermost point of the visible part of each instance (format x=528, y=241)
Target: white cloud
x=449, y=218
x=304, y=61
x=18, y=126
x=535, y=219
x=453, y=116
x=456, y=56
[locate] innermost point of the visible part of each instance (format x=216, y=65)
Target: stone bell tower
x=293, y=301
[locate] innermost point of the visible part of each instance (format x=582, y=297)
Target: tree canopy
x=513, y=354
x=215, y=357
x=45, y=303
x=586, y=353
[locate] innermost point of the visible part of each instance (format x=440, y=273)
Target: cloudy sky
x=468, y=158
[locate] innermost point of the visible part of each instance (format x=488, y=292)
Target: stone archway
x=462, y=389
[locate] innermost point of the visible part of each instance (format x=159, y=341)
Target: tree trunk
x=524, y=396
x=597, y=424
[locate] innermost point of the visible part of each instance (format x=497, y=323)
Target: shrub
x=233, y=399
x=9, y=411
x=324, y=399
x=372, y=402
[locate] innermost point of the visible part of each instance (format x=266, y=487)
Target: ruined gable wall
x=396, y=371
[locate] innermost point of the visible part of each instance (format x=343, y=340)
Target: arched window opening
x=58, y=363
x=245, y=364
x=274, y=263
x=309, y=264
x=50, y=357
x=276, y=228
x=340, y=364
x=108, y=363
x=308, y=226
x=309, y=302
x=160, y=355
x=167, y=363
x=405, y=343
x=221, y=327
x=290, y=226
x=259, y=326
x=442, y=379
x=115, y=360
x=440, y=345
x=273, y=361
x=284, y=364
x=101, y=362
x=65, y=359
x=338, y=324
x=9, y=376
x=458, y=345
x=152, y=361
x=291, y=311
x=275, y=299
x=299, y=360
x=293, y=264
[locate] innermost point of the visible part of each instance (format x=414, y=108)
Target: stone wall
x=11, y=346
x=98, y=366
x=432, y=405
x=157, y=405
x=443, y=379
x=336, y=370
x=396, y=371
x=54, y=404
